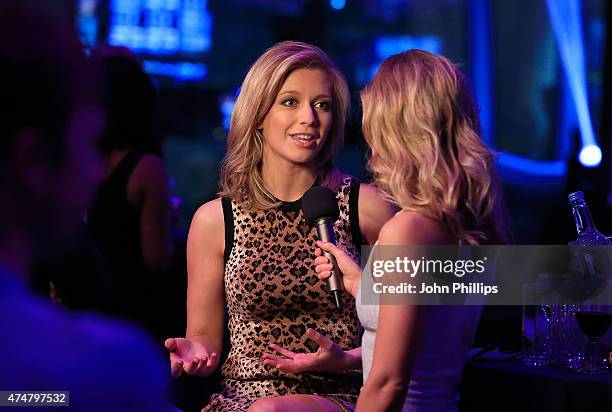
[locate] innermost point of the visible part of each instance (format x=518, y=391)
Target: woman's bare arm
x=200, y=351
x=398, y=325
x=148, y=191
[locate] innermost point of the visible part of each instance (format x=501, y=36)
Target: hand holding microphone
x=351, y=271
x=320, y=208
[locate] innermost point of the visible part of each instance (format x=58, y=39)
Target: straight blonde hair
x=241, y=177
x=427, y=156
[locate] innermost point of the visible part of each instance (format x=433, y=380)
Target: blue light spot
x=388, y=46
x=519, y=164
x=385, y=46
x=337, y=4
x=566, y=20
x=590, y=156
x=161, y=27
x=177, y=70
x=226, y=107
x=528, y=172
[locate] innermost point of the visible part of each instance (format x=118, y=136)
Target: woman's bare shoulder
x=208, y=226
x=374, y=211
x=209, y=216
x=413, y=228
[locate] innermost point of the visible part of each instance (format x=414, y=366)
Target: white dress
x=444, y=341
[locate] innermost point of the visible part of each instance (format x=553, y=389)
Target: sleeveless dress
x=114, y=225
x=273, y=296
x=446, y=337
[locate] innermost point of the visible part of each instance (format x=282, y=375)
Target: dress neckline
x=293, y=206
x=296, y=205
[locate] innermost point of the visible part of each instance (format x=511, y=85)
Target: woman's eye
x=323, y=105
x=289, y=102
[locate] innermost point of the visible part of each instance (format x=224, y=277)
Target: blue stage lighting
x=519, y=170
x=226, y=107
x=337, y=4
x=158, y=27
x=590, y=156
x=178, y=70
x=386, y=46
x=567, y=25
x=481, y=62
x=520, y=164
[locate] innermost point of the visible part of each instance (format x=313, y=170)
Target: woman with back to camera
x=251, y=251
x=427, y=156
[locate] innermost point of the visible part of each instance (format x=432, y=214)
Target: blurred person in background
x=130, y=216
x=50, y=121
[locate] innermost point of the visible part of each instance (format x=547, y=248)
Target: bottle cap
x=575, y=196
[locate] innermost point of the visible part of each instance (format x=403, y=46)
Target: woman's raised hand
x=351, y=271
x=190, y=357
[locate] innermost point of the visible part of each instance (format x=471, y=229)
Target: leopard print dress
x=273, y=296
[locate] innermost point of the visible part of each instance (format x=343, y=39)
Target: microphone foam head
x=320, y=202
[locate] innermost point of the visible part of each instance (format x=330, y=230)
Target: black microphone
x=320, y=209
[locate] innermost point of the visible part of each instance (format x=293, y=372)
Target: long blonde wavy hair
x=427, y=156
x=241, y=177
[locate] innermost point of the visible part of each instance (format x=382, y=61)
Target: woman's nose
x=307, y=115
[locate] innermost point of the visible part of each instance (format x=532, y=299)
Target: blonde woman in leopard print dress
x=251, y=251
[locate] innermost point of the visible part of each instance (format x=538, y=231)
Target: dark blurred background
x=540, y=71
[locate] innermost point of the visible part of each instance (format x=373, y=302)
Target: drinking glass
x=537, y=326
x=594, y=320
